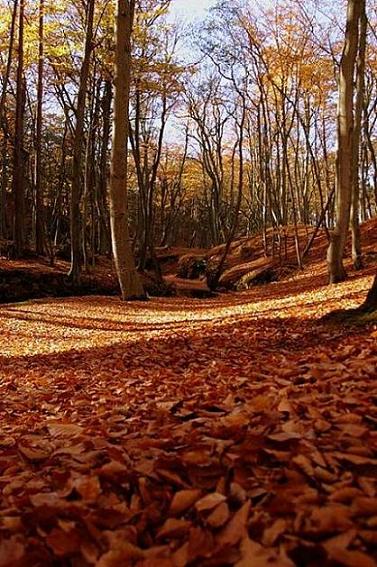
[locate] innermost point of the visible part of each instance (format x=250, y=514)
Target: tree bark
x=128, y=277
x=103, y=214
x=345, y=145
x=355, y=211
x=370, y=303
x=39, y=213
x=77, y=174
x=19, y=164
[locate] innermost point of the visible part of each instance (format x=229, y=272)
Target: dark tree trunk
x=370, y=303
x=19, y=158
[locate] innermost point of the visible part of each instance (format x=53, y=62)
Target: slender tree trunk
x=3, y=190
x=39, y=213
x=8, y=66
x=345, y=145
x=77, y=173
x=104, y=229
x=355, y=212
x=213, y=281
x=19, y=163
x=128, y=277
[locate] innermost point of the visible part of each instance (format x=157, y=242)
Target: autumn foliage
x=233, y=431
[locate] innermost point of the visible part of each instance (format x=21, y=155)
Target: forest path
x=108, y=409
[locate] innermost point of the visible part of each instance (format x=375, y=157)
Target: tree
x=19, y=157
x=77, y=177
x=346, y=146
x=359, y=105
x=3, y=122
x=129, y=281
x=370, y=303
x=39, y=224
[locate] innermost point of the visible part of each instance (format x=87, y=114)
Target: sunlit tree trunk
x=77, y=174
x=128, y=277
x=39, y=214
x=355, y=214
x=345, y=144
x=104, y=229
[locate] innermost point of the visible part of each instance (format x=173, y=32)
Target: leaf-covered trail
x=234, y=431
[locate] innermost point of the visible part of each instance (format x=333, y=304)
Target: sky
x=191, y=9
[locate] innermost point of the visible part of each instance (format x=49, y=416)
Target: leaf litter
x=240, y=430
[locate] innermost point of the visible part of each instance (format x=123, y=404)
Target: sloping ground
x=234, y=431
x=35, y=278
x=245, y=265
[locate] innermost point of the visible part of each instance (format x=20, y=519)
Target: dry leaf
x=254, y=555
x=174, y=528
x=236, y=528
x=12, y=550
x=219, y=516
x=183, y=500
x=209, y=501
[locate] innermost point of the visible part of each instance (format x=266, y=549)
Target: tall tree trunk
x=3, y=190
x=77, y=173
x=128, y=277
x=345, y=144
x=19, y=163
x=39, y=213
x=355, y=211
x=104, y=229
x=8, y=66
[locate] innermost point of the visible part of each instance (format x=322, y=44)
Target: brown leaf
x=64, y=430
x=123, y=554
x=345, y=494
x=88, y=487
x=330, y=519
x=51, y=499
x=181, y=556
x=183, y=500
x=236, y=528
x=201, y=543
x=284, y=437
x=352, y=558
x=354, y=459
x=341, y=541
x=63, y=543
x=255, y=555
x=209, y=501
x=219, y=516
x=272, y=534
x=12, y=550
x=34, y=453
x=173, y=528
x=304, y=464
x=363, y=506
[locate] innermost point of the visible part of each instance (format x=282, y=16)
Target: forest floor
x=239, y=430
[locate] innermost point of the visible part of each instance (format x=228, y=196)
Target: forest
x=188, y=283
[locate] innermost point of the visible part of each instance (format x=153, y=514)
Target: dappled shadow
x=80, y=324
x=177, y=351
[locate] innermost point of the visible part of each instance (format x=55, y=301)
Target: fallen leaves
x=11, y=551
x=255, y=555
x=234, y=431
